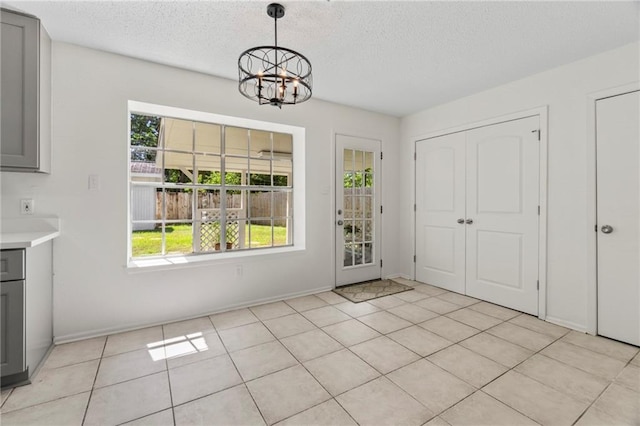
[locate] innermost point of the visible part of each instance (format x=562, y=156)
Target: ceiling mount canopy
x=274, y=75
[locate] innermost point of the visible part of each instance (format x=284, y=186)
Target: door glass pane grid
x=358, y=207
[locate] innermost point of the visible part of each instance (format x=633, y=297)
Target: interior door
x=618, y=213
x=502, y=214
x=358, y=211
x=440, y=211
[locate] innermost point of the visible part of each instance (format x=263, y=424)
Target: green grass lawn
x=179, y=239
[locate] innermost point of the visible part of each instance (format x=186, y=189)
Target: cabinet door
x=12, y=358
x=19, y=83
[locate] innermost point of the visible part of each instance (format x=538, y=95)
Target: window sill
x=179, y=262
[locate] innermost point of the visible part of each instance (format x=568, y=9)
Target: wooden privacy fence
x=179, y=206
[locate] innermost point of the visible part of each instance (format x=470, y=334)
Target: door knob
x=607, y=229
x=340, y=223
x=469, y=221
x=461, y=221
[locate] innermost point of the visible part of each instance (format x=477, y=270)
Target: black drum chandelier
x=274, y=75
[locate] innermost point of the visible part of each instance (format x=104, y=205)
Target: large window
x=207, y=187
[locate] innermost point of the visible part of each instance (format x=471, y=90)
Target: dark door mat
x=362, y=292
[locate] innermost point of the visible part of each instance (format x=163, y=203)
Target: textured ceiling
x=392, y=57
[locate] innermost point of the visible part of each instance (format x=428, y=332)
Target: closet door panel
x=440, y=203
x=502, y=214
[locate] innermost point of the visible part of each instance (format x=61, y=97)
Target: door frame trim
x=592, y=205
x=332, y=194
x=543, y=113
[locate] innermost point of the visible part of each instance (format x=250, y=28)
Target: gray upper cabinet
x=25, y=94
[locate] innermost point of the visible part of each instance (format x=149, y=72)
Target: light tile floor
x=433, y=357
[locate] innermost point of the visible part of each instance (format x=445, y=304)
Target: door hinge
x=538, y=285
x=415, y=156
x=414, y=258
x=595, y=227
x=415, y=207
x=381, y=155
x=380, y=209
x=381, y=263
x=538, y=210
x=537, y=131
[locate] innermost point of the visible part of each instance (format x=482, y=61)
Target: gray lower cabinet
x=25, y=94
x=26, y=312
x=12, y=328
x=12, y=350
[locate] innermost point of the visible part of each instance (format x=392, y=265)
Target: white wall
x=565, y=91
x=93, y=292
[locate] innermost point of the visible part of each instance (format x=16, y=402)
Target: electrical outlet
x=26, y=206
x=238, y=270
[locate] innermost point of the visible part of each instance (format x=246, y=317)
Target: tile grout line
x=166, y=366
x=300, y=363
x=506, y=405
x=314, y=378
x=86, y=410
x=244, y=383
x=578, y=368
x=531, y=378
x=147, y=375
x=5, y=400
x=343, y=348
x=381, y=375
x=480, y=389
x=228, y=354
x=592, y=402
x=50, y=400
x=556, y=339
x=142, y=417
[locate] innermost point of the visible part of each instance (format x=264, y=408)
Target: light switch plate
x=94, y=182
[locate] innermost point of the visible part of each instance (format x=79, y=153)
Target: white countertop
x=17, y=240
x=20, y=233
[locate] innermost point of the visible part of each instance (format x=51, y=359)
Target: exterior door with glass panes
x=358, y=210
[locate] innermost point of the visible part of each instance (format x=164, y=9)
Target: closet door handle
x=461, y=221
x=469, y=221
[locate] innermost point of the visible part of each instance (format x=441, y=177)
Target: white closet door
x=502, y=203
x=440, y=203
x=618, y=189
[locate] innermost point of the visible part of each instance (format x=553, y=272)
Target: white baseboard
x=74, y=337
x=568, y=324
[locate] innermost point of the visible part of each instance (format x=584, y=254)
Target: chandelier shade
x=274, y=75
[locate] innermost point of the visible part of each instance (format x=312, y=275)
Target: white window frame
x=299, y=193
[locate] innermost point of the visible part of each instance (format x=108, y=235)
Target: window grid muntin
x=223, y=187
